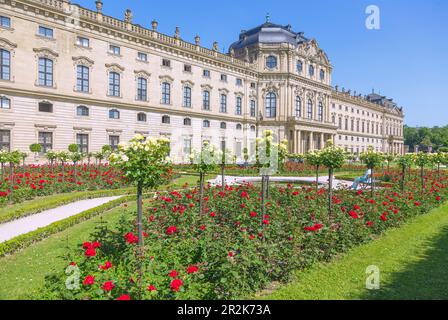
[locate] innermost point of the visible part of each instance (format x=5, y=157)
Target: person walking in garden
x=364, y=179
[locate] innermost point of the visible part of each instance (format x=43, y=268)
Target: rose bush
x=226, y=253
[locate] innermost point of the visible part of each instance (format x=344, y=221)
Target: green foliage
x=51, y=155
x=405, y=161
x=332, y=157
x=73, y=148
x=437, y=137
x=421, y=159
x=372, y=158
x=35, y=148
x=313, y=158
x=143, y=162
x=205, y=160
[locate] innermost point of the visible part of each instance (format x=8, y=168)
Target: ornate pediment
x=187, y=83
x=206, y=87
x=299, y=91
x=166, y=78
x=115, y=67
x=46, y=53
x=142, y=74
x=313, y=52
x=5, y=43
x=83, y=61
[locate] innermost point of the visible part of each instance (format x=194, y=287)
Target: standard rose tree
x=144, y=163
x=372, y=160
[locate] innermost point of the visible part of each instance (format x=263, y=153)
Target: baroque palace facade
x=72, y=75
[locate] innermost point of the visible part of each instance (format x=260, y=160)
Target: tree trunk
x=263, y=178
x=140, y=213
x=403, y=172
x=330, y=191
x=267, y=187
x=201, y=192
x=223, y=177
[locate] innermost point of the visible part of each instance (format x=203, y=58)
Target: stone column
x=311, y=139
x=322, y=141
x=299, y=142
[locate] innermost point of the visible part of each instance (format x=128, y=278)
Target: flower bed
x=231, y=251
x=36, y=181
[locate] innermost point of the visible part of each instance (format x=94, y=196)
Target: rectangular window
x=223, y=107
x=82, y=78
x=223, y=145
x=5, y=64
x=114, y=141
x=187, y=97
x=114, y=50
x=238, y=149
x=252, y=85
x=82, y=140
x=45, y=72
x=114, y=84
x=142, y=89
x=46, y=141
x=142, y=57
x=238, y=109
x=5, y=22
x=206, y=73
x=206, y=100
x=224, y=77
x=83, y=42
x=45, y=107
x=187, y=68
x=166, y=93
x=46, y=32
x=252, y=108
x=187, y=148
x=5, y=140
x=166, y=63
x=239, y=82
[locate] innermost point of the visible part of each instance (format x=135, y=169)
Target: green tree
x=372, y=160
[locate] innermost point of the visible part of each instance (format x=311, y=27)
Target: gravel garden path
x=231, y=180
x=18, y=227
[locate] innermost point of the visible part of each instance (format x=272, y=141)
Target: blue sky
x=405, y=59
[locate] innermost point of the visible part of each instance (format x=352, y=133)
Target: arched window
x=271, y=62
x=206, y=124
x=206, y=100
x=298, y=107
x=45, y=72
x=187, y=122
x=166, y=120
x=82, y=111
x=142, y=89
x=141, y=117
x=114, y=84
x=239, y=127
x=310, y=109
x=239, y=103
x=5, y=64
x=5, y=103
x=311, y=70
x=114, y=114
x=223, y=107
x=252, y=128
x=166, y=93
x=320, y=113
x=299, y=66
x=271, y=105
x=253, y=108
x=187, y=97
x=223, y=125
x=322, y=74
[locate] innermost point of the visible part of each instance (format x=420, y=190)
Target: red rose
x=212, y=214
x=369, y=224
x=356, y=207
x=171, y=230
x=202, y=228
x=87, y=245
x=176, y=284
x=106, y=266
x=192, y=269
x=353, y=214
x=266, y=222
x=173, y=274
x=108, y=286
x=151, y=288
x=124, y=297
x=438, y=198
x=131, y=238
x=253, y=214
x=417, y=204
x=90, y=252
x=89, y=280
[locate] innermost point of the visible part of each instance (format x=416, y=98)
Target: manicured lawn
x=412, y=262
x=23, y=273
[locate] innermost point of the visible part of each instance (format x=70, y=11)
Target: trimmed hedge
x=51, y=202
x=25, y=240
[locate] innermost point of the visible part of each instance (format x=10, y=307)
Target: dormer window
x=271, y=62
